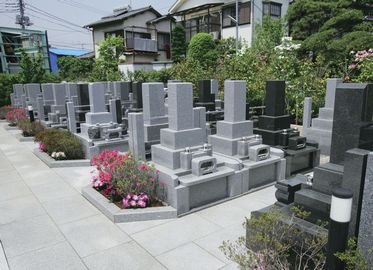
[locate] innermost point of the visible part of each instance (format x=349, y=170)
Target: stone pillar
x=365, y=238
x=153, y=102
x=40, y=108
x=180, y=106
x=71, y=117
x=331, y=85
x=275, y=98
x=307, y=114
x=200, y=120
x=71, y=90
x=97, y=97
x=136, y=134
x=12, y=101
x=235, y=101
x=116, y=110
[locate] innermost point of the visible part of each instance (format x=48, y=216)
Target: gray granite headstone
x=71, y=120
x=71, y=90
x=97, y=97
x=180, y=106
x=40, y=108
x=153, y=103
x=365, y=239
x=47, y=90
x=307, y=112
x=59, y=93
x=18, y=90
x=32, y=91
x=136, y=139
x=235, y=101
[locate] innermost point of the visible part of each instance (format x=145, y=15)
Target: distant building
x=55, y=54
x=12, y=40
x=146, y=33
x=215, y=16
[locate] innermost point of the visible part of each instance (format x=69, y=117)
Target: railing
x=141, y=44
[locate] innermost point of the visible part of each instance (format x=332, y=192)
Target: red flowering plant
x=15, y=115
x=126, y=179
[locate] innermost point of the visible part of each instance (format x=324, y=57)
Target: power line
x=47, y=14
x=81, y=6
x=56, y=23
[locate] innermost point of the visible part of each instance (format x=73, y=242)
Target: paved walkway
x=45, y=223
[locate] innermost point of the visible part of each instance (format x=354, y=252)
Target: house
x=146, y=32
x=217, y=16
x=12, y=40
x=55, y=54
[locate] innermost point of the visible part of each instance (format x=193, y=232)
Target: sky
x=66, y=33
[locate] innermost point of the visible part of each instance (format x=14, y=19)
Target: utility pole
x=21, y=19
x=22, y=13
x=237, y=21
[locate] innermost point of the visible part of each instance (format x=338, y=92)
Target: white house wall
x=244, y=32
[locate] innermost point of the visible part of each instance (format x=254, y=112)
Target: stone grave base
x=52, y=163
x=118, y=215
x=94, y=148
x=22, y=138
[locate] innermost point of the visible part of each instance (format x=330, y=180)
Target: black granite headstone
x=83, y=94
x=205, y=97
x=275, y=98
x=137, y=94
x=352, y=115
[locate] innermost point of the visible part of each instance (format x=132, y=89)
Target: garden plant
x=126, y=180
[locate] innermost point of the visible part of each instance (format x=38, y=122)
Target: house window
x=163, y=41
x=244, y=12
x=117, y=33
x=272, y=9
x=130, y=35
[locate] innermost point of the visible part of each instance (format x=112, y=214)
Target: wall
x=244, y=33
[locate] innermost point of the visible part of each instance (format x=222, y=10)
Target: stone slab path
x=45, y=223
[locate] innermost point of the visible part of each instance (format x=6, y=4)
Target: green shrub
x=162, y=75
x=30, y=129
x=57, y=140
x=4, y=110
x=74, y=69
x=202, y=48
x=6, y=87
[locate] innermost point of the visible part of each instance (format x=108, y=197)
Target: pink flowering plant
x=361, y=69
x=15, y=115
x=126, y=179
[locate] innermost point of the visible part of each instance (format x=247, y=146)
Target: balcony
x=141, y=44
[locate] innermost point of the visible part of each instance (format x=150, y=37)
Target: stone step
x=326, y=113
x=327, y=177
x=316, y=202
x=322, y=124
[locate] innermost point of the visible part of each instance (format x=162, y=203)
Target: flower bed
x=127, y=181
x=14, y=116
x=127, y=189
x=59, y=144
x=30, y=129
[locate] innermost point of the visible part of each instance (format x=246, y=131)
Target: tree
x=32, y=68
x=202, y=48
x=178, y=48
x=106, y=66
x=331, y=29
x=74, y=69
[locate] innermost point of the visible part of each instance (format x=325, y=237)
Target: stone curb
x=51, y=163
x=117, y=215
x=6, y=127
x=22, y=138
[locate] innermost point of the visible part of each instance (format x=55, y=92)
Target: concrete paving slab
x=126, y=256
x=180, y=259
x=57, y=257
x=29, y=235
x=93, y=234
